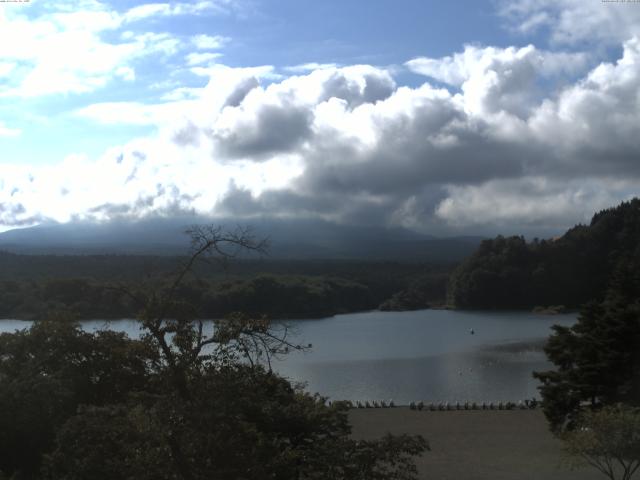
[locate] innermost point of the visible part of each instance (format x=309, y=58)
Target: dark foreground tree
x=51, y=369
x=180, y=403
x=608, y=440
x=598, y=359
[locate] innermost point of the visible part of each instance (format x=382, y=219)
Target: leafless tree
x=184, y=341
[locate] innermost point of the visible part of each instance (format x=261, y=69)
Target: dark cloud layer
x=274, y=129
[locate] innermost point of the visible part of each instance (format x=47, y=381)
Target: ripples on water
x=427, y=355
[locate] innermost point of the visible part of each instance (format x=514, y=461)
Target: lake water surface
x=427, y=355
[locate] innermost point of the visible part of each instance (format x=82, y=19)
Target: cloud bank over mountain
x=489, y=139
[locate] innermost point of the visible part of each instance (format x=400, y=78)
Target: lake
x=428, y=355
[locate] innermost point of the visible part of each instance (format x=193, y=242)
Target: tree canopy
x=571, y=270
x=179, y=403
x=597, y=360
x=31, y=286
x=608, y=440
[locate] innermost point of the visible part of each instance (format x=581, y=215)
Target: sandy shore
x=476, y=445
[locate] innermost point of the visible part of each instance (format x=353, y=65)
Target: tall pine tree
x=598, y=359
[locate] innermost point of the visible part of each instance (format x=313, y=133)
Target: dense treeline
x=426, y=291
x=275, y=296
x=134, y=267
x=184, y=402
x=570, y=270
x=27, y=300
x=88, y=287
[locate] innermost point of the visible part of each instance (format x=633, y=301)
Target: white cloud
x=145, y=177
x=499, y=79
x=208, y=42
x=309, y=67
x=476, y=61
x=9, y=132
x=87, y=64
x=149, y=10
x=531, y=201
x=62, y=56
x=348, y=144
x=513, y=137
x=196, y=58
x=597, y=120
x=222, y=73
x=6, y=68
x=74, y=51
x=575, y=21
x=180, y=93
x=126, y=73
x=118, y=113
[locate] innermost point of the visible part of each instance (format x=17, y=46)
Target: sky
x=445, y=118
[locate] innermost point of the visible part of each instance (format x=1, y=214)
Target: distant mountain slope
x=154, y=236
x=570, y=270
x=300, y=239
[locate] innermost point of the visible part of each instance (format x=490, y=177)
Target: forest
x=91, y=287
x=181, y=402
x=511, y=273
x=556, y=274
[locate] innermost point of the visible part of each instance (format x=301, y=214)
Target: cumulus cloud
x=499, y=79
x=531, y=201
x=474, y=61
x=151, y=176
x=593, y=126
x=268, y=129
x=495, y=137
x=574, y=21
x=240, y=91
x=81, y=48
x=346, y=144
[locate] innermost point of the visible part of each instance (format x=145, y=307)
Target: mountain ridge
x=302, y=239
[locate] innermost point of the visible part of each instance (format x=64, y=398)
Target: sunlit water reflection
x=428, y=355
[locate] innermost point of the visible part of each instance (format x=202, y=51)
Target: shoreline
x=329, y=315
